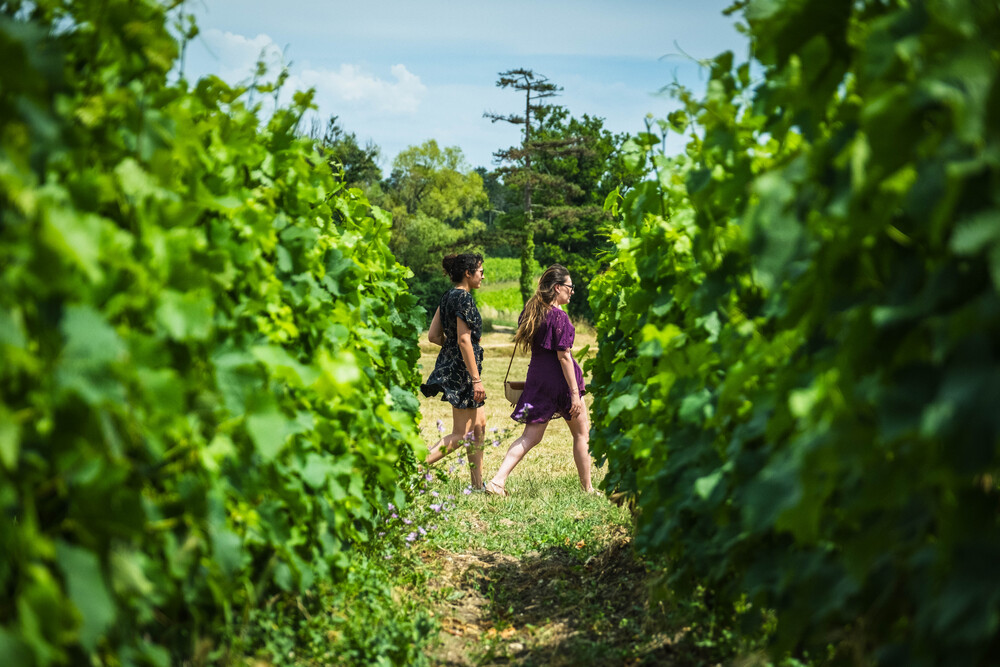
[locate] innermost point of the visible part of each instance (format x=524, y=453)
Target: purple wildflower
x=411, y=537
x=421, y=530
x=523, y=412
x=435, y=507
x=407, y=521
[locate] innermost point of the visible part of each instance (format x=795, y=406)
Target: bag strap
x=510, y=364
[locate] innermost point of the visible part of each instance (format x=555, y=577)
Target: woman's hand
x=575, y=405
x=478, y=391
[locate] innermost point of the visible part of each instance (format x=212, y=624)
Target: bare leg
x=580, y=428
x=532, y=436
x=476, y=449
x=463, y=422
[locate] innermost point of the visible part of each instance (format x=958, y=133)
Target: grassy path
x=460, y=579
x=545, y=577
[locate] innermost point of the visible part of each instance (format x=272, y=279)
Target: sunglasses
x=571, y=288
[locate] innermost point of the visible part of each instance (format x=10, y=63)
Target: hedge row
x=208, y=354
x=800, y=334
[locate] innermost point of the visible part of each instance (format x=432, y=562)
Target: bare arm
x=469, y=356
x=435, y=333
x=566, y=364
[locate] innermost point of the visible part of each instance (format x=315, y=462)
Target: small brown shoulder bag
x=512, y=390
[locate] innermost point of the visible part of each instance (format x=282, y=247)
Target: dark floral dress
x=450, y=378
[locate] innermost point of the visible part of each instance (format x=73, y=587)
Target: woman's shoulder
x=453, y=294
x=458, y=298
x=557, y=316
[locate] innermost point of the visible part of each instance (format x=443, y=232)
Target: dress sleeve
x=465, y=307
x=558, y=332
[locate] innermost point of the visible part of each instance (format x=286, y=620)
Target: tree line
x=542, y=201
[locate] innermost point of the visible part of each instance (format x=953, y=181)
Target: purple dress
x=546, y=393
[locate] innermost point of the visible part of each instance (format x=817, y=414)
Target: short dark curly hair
x=458, y=266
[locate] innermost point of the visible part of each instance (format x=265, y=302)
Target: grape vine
x=800, y=331
x=208, y=351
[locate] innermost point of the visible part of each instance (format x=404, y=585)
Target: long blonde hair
x=538, y=306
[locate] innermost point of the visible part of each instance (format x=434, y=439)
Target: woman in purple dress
x=457, y=328
x=554, y=385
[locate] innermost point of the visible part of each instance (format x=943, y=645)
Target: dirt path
x=546, y=577
x=544, y=609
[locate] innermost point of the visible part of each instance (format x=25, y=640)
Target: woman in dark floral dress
x=457, y=328
x=554, y=384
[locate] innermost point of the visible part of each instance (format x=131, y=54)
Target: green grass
x=505, y=298
x=499, y=298
x=547, y=576
x=544, y=577
x=546, y=509
x=505, y=269
x=358, y=620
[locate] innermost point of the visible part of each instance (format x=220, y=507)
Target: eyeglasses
x=569, y=285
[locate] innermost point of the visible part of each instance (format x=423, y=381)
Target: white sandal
x=494, y=489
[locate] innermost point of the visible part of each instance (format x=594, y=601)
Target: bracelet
x=475, y=381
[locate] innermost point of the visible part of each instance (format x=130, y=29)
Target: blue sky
x=400, y=72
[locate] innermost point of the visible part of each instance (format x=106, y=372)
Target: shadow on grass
x=558, y=608
x=563, y=607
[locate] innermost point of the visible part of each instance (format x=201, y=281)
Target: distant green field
x=499, y=298
x=504, y=297
x=503, y=269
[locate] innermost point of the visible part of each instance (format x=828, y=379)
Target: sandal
x=494, y=489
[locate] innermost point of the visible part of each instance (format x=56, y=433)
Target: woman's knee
x=533, y=435
x=464, y=421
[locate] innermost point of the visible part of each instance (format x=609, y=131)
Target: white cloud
x=607, y=56
x=236, y=56
x=347, y=86
x=351, y=85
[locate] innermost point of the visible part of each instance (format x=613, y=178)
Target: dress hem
x=432, y=390
x=526, y=419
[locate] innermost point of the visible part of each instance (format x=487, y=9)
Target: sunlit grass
x=545, y=576
x=504, y=269
x=552, y=457
x=546, y=505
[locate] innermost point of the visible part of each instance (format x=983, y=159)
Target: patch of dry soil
x=544, y=608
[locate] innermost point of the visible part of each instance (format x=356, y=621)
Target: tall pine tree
x=516, y=162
